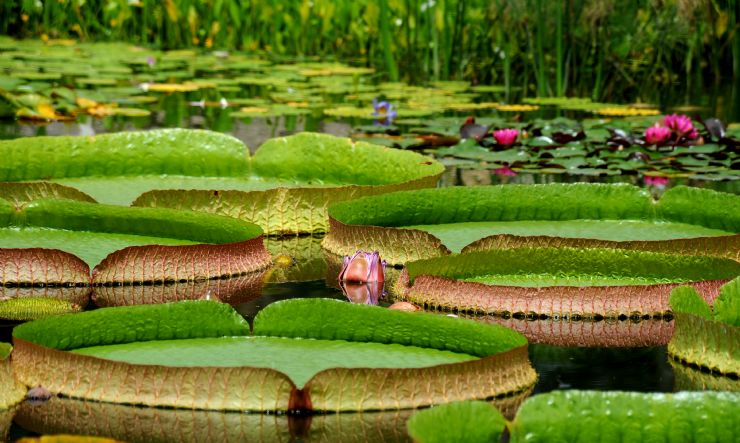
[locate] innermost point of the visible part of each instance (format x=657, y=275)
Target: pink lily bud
x=693, y=135
x=680, y=124
x=363, y=267
x=506, y=137
x=657, y=135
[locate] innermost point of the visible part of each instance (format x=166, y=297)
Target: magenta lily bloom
x=363, y=267
x=680, y=124
x=506, y=137
x=505, y=172
x=657, y=135
x=654, y=180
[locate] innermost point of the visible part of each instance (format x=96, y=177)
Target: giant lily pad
x=136, y=424
x=304, y=355
x=418, y=224
x=627, y=416
x=704, y=336
x=632, y=332
x=285, y=187
x=48, y=247
x=11, y=391
x=563, y=282
x=571, y=416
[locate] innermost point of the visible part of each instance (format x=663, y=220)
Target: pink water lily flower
x=680, y=124
x=363, y=267
x=505, y=172
x=657, y=135
x=655, y=180
x=506, y=137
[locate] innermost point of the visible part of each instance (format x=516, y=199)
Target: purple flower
x=384, y=109
x=506, y=137
x=505, y=172
x=657, y=135
x=681, y=125
x=363, y=267
x=654, y=180
x=151, y=61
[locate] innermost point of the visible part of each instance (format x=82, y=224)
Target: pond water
x=620, y=355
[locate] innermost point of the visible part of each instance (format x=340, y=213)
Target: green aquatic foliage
x=686, y=299
x=32, y=308
x=299, y=359
x=719, y=210
x=498, y=203
x=726, y=307
x=571, y=416
x=339, y=160
x=128, y=324
x=337, y=320
x=577, y=263
x=464, y=422
x=5, y=349
x=164, y=151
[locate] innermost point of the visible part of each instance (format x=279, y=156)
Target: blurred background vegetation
x=602, y=49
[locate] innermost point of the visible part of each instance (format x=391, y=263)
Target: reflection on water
x=140, y=424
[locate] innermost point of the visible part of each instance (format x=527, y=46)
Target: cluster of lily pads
x=190, y=215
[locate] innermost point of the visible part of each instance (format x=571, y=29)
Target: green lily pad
x=440, y=221
x=707, y=336
x=48, y=247
x=11, y=391
x=355, y=346
x=118, y=168
x=470, y=421
x=560, y=282
x=627, y=416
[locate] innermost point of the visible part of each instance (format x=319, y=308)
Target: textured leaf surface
x=710, y=344
x=41, y=359
x=727, y=305
x=157, y=425
x=686, y=299
x=727, y=246
x=300, y=359
x=108, y=326
x=470, y=422
x=22, y=193
x=718, y=210
x=82, y=216
x=310, y=156
x=602, y=334
x=437, y=282
x=576, y=263
x=123, y=190
x=458, y=235
x=91, y=247
x=691, y=379
x=31, y=308
x=400, y=225
x=233, y=290
x=498, y=203
x=333, y=319
x=161, y=151
x=11, y=392
x=277, y=211
x=571, y=416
